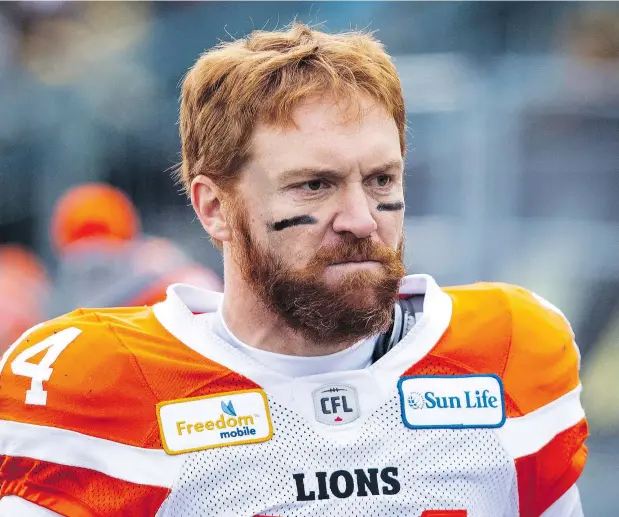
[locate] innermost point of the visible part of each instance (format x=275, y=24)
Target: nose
x=353, y=213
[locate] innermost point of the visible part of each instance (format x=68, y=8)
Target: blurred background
x=512, y=171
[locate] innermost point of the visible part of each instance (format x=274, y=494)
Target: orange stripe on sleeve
x=545, y=476
x=77, y=492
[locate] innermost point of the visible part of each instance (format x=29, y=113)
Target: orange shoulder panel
x=478, y=336
x=171, y=369
x=543, y=359
x=94, y=385
x=508, y=331
x=108, y=379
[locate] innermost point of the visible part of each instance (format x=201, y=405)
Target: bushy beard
x=359, y=306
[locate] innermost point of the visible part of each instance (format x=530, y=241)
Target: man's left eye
x=312, y=185
x=383, y=180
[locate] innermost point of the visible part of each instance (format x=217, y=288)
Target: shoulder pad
x=74, y=373
x=543, y=359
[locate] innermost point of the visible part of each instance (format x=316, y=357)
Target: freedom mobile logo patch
x=218, y=420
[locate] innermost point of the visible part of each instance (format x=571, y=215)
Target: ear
x=206, y=201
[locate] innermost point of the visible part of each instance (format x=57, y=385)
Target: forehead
x=328, y=135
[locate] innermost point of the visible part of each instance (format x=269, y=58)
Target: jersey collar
x=177, y=314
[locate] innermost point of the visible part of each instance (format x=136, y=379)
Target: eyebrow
x=305, y=172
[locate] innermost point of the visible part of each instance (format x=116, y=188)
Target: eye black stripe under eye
x=391, y=207
x=293, y=221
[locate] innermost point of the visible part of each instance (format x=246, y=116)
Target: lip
x=344, y=262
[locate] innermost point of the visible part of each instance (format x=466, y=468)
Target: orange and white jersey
x=146, y=412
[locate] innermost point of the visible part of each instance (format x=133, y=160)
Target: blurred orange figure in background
x=105, y=259
x=168, y=264
x=24, y=292
x=93, y=211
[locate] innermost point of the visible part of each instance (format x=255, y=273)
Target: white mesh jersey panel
x=464, y=469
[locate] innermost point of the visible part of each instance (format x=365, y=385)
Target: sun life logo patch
x=452, y=401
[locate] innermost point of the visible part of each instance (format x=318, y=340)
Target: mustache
x=358, y=250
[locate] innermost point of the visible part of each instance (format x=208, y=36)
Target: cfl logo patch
x=336, y=404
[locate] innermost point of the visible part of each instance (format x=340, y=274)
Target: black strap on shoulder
x=405, y=315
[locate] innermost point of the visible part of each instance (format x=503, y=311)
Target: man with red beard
x=324, y=381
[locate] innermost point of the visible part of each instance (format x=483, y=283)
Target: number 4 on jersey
x=42, y=371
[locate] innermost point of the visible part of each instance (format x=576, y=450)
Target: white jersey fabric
x=369, y=465
x=12, y=506
x=357, y=357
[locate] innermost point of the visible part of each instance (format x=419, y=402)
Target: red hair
x=263, y=77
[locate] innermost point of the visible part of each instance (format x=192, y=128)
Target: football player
x=323, y=381
x=104, y=258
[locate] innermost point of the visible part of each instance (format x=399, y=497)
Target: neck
x=252, y=322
